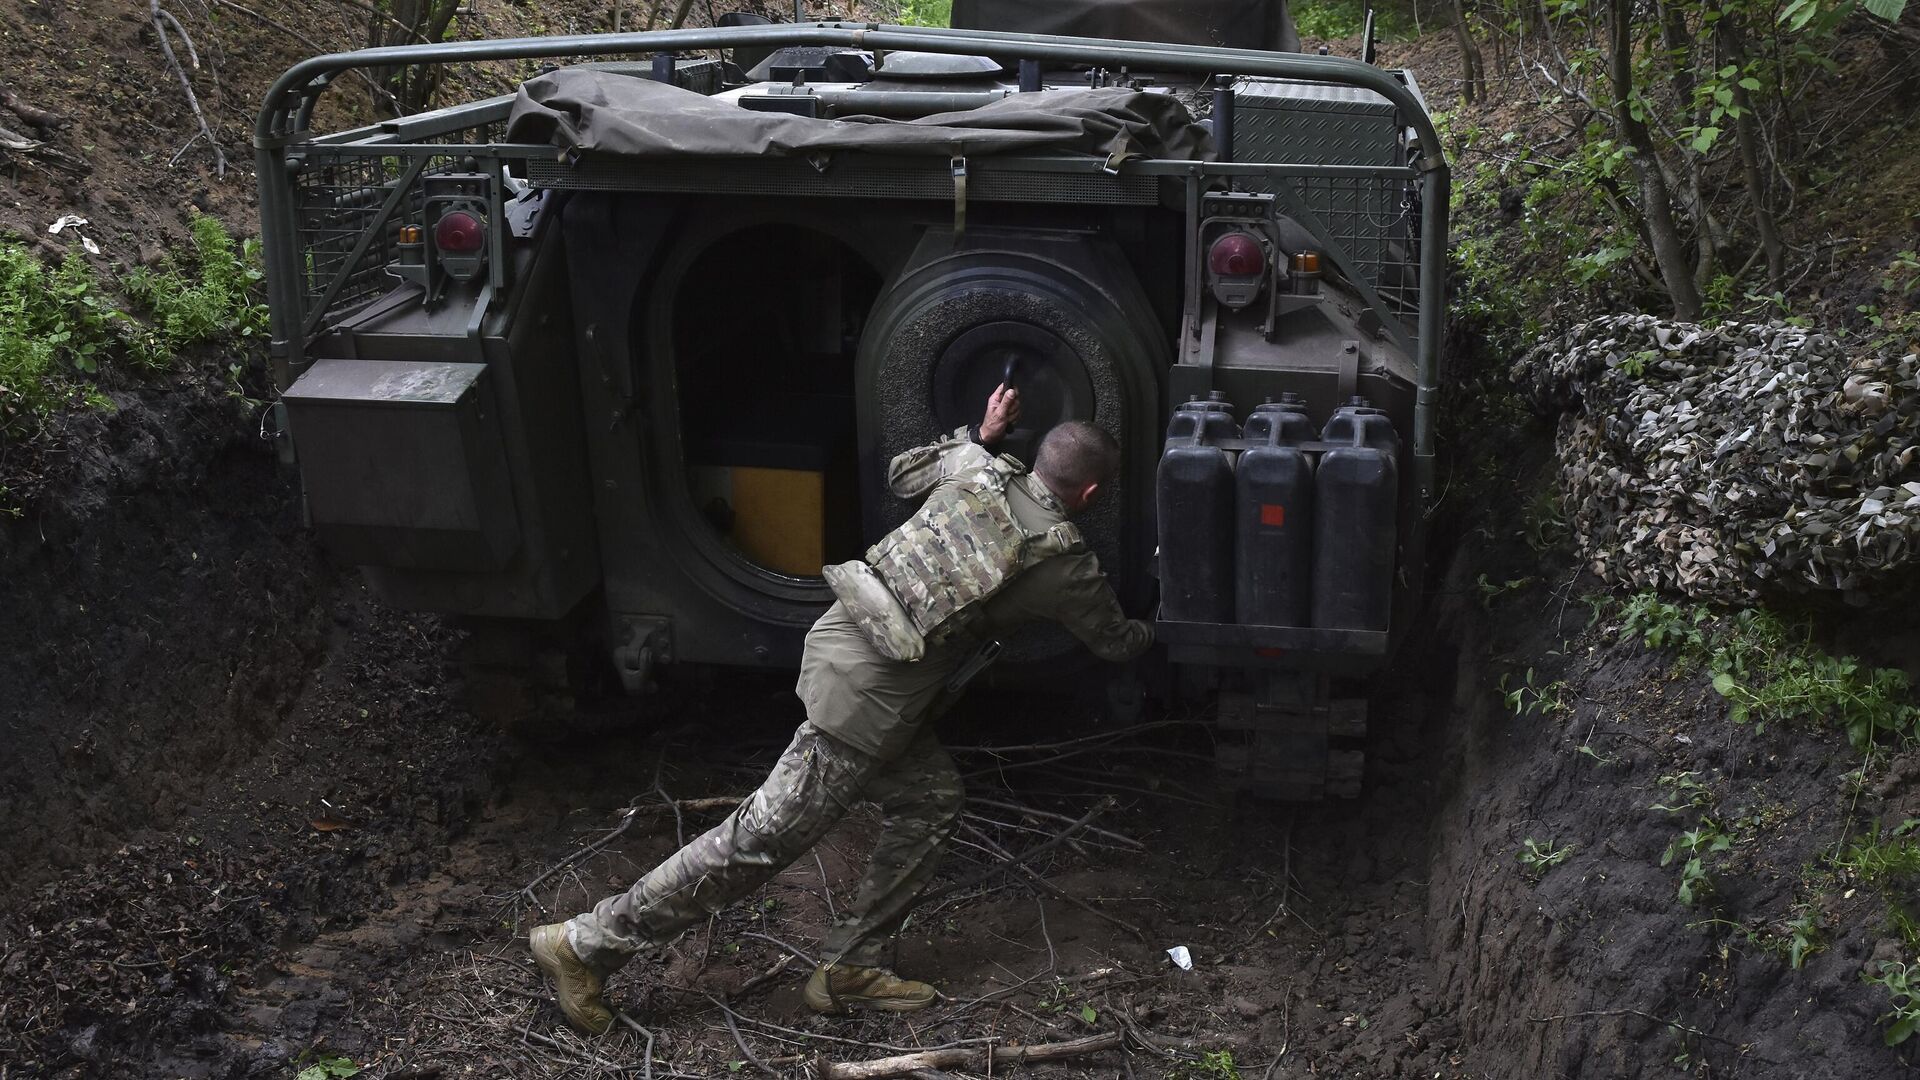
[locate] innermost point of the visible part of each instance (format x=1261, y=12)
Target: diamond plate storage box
x=404, y=463
x=1279, y=120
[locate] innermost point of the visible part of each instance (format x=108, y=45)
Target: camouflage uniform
x=867, y=737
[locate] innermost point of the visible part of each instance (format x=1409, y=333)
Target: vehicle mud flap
x=1285, y=739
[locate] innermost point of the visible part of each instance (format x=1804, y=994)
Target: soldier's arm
x=919, y=470
x=1071, y=590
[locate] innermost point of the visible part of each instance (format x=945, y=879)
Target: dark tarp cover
x=587, y=111
x=1232, y=24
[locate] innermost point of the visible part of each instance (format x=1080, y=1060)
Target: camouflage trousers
x=816, y=781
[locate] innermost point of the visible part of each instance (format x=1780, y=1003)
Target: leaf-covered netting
x=1733, y=461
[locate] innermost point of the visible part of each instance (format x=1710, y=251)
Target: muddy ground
x=343, y=884
x=257, y=821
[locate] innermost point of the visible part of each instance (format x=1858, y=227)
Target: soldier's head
x=1077, y=461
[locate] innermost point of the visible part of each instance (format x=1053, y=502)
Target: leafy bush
x=57, y=328
x=926, y=12
x=1342, y=19
x=54, y=328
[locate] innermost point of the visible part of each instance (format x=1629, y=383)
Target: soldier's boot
x=576, y=986
x=839, y=988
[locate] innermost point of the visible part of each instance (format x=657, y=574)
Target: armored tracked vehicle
x=620, y=359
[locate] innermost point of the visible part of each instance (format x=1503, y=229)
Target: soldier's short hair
x=1075, y=454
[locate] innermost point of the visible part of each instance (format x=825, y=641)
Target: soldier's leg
x=921, y=794
x=811, y=787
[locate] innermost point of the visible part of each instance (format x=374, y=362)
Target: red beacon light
x=459, y=233
x=1236, y=268
x=1236, y=254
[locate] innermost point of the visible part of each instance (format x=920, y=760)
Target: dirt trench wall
x=159, y=607
x=1593, y=967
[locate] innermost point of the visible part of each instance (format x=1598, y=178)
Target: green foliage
x=1330, y=18
x=55, y=329
x=1213, y=1065
x=1769, y=671
x=1889, y=862
x=1696, y=844
x=1801, y=937
x=1682, y=792
x=212, y=302
x=1525, y=698
x=58, y=329
x=1544, y=525
x=1707, y=87
x=926, y=12
x=1661, y=625
x=1902, y=984
x=1494, y=590
x=1539, y=858
x=328, y=1068
x=1892, y=858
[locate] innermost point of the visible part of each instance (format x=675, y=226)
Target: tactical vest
x=925, y=581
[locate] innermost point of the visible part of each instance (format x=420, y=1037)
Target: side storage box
x=404, y=463
x=1315, y=124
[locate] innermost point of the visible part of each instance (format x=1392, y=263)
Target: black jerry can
x=1194, y=506
x=1203, y=419
x=1357, y=492
x=1288, y=416
x=1273, y=575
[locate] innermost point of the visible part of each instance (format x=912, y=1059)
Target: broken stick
x=161, y=19
x=32, y=114
x=963, y=1057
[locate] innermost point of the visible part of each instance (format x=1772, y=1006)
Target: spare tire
x=1066, y=308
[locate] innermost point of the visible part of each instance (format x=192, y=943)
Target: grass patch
x=1886, y=859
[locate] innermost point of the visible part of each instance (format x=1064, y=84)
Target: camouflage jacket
x=859, y=696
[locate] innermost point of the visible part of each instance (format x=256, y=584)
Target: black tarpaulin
x=587, y=111
x=1232, y=24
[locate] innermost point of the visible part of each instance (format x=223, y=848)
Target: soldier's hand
x=1003, y=410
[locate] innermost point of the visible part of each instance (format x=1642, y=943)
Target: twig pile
x=1729, y=462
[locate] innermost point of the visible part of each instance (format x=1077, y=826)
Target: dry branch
x=161, y=20
x=32, y=114
x=627, y=818
x=965, y=1057
x=1041, y=883
x=20, y=146
x=274, y=24
x=1010, y=862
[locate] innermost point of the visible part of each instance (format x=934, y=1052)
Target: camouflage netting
x=1735, y=461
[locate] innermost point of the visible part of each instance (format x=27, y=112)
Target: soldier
x=989, y=549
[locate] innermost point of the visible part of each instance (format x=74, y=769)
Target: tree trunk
x=1472, y=74
x=1747, y=130
x=410, y=86
x=1668, y=251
